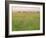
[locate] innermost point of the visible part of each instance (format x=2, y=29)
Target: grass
x=25, y=21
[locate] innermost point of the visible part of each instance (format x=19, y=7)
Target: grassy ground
x=25, y=21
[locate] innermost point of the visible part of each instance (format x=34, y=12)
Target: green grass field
x=25, y=21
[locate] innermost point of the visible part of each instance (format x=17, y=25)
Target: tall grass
x=22, y=21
